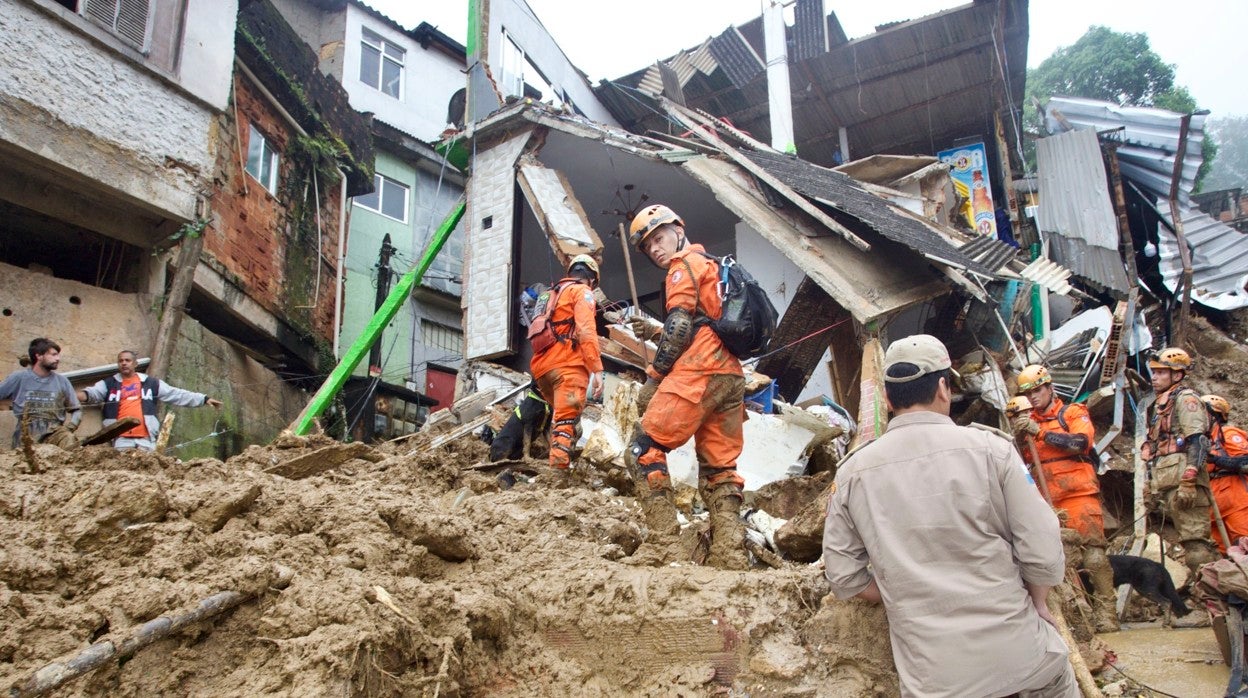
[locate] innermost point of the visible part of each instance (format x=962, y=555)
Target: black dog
x=528, y=420
x=1149, y=579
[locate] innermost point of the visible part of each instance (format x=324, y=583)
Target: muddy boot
x=660, y=512
x=1104, y=598
x=727, y=532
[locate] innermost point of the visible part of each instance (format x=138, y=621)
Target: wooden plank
x=873, y=410
x=625, y=338
x=844, y=367
x=618, y=352
x=698, y=125
x=318, y=461
x=111, y=431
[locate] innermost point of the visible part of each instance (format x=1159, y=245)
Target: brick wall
x=250, y=234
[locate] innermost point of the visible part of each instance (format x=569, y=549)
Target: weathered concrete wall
x=83, y=108
x=323, y=31
x=250, y=235
x=258, y=403
x=90, y=332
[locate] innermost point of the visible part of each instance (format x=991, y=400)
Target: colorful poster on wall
x=968, y=168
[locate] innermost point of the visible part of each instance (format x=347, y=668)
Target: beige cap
x=922, y=350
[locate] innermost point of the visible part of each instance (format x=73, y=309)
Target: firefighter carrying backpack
x=542, y=331
x=748, y=320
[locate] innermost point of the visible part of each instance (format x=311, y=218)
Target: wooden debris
x=166, y=428
x=618, y=352
x=101, y=653
x=318, y=461
x=28, y=446
x=111, y=431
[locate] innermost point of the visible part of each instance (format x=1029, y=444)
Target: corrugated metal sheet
x=1075, y=212
x=736, y=57
x=1047, y=274
x=810, y=31
x=912, y=88
x=813, y=181
x=1219, y=260
x=1150, y=139
x=989, y=251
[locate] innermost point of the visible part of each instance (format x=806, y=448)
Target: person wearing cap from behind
x=965, y=556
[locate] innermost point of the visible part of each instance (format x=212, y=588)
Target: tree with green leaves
x=1116, y=67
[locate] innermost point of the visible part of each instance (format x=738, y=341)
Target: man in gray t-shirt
x=42, y=393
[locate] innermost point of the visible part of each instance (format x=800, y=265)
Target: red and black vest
x=149, y=387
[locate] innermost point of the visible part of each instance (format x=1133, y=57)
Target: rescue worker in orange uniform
x=1064, y=439
x=694, y=388
x=1175, y=450
x=567, y=363
x=1228, y=465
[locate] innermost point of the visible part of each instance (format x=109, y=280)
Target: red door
x=440, y=385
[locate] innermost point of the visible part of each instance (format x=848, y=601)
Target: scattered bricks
x=801, y=538
x=318, y=461
x=220, y=507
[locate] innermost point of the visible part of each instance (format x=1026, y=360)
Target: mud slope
x=529, y=591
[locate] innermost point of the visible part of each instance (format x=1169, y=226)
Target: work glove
x=1024, y=424
x=596, y=385
x=647, y=392
x=641, y=327
x=1185, y=497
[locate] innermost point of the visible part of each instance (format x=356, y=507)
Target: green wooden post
x=381, y=318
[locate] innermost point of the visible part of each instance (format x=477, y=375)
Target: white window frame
x=267, y=151
x=380, y=44
x=379, y=189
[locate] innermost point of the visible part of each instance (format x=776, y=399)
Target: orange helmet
x=1172, y=358
x=1218, y=405
x=648, y=220
x=1016, y=406
x=1033, y=377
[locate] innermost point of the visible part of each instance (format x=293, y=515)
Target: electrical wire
x=796, y=341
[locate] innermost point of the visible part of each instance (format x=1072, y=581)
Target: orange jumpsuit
x=703, y=396
x=563, y=369
x=1230, y=490
x=1072, y=480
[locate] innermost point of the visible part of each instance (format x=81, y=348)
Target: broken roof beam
x=869, y=286
x=558, y=211
x=806, y=323
x=700, y=126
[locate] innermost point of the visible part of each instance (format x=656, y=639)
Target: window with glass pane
x=389, y=198
x=381, y=64
x=262, y=159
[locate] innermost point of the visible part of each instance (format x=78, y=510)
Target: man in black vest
x=128, y=393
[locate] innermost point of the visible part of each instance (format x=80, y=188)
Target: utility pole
x=383, y=290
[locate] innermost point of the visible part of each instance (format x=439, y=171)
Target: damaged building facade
x=185, y=131
x=410, y=81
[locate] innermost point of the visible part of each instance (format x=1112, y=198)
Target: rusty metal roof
x=875, y=212
x=913, y=87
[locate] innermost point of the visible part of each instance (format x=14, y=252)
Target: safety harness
x=1163, y=418
x=545, y=332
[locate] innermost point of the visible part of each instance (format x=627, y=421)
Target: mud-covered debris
x=783, y=499
x=801, y=539
x=318, y=461
x=443, y=535
x=221, y=506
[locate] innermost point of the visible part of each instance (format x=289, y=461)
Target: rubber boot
x=727, y=532
x=660, y=511
x=1104, y=598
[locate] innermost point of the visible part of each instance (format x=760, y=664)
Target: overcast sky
x=1204, y=39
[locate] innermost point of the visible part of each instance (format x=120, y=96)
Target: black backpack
x=748, y=321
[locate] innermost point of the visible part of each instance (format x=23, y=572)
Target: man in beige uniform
x=962, y=548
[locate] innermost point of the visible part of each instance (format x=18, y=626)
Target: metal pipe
x=342, y=263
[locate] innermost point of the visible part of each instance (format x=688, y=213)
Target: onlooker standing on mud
x=566, y=359
x=42, y=396
x=694, y=388
x=1064, y=438
x=1176, y=449
x=962, y=548
x=128, y=393
x=1228, y=465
